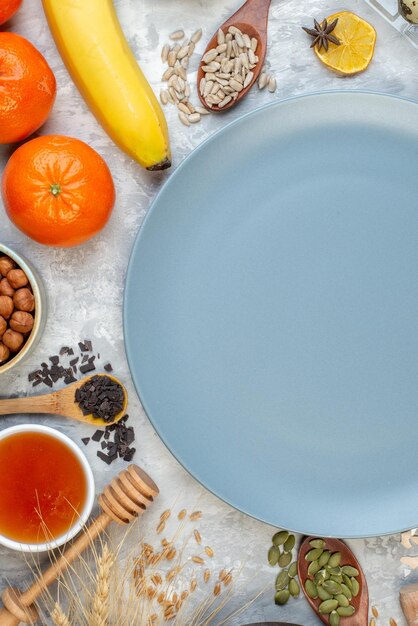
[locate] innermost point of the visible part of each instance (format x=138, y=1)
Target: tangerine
x=27, y=88
x=58, y=190
x=8, y=8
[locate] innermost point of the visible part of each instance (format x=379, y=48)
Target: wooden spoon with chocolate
x=99, y=400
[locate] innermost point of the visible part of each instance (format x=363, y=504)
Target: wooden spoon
x=252, y=19
x=361, y=602
x=128, y=496
x=61, y=402
x=409, y=602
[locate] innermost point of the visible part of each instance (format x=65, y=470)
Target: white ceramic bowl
x=88, y=505
x=40, y=307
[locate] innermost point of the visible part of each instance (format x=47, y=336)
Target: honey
x=43, y=487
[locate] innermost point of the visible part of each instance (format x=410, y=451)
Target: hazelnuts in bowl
x=21, y=308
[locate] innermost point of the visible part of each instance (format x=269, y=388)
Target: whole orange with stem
x=8, y=8
x=58, y=190
x=27, y=88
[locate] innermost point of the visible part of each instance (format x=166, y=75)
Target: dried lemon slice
x=357, y=41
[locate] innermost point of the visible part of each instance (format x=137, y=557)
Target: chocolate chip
x=88, y=367
x=129, y=455
x=98, y=435
x=107, y=459
x=108, y=367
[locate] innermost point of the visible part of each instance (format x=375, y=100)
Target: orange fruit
x=27, y=88
x=357, y=41
x=58, y=190
x=8, y=8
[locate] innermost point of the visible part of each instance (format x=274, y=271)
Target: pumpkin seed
x=284, y=559
x=346, y=611
x=349, y=570
x=334, y=559
x=273, y=553
x=334, y=619
x=346, y=591
x=328, y=606
x=355, y=587
x=311, y=589
x=314, y=554
x=332, y=587
x=294, y=588
x=322, y=594
x=313, y=568
x=282, y=597
x=282, y=580
x=342, y=600
x=289, y=544
x=317, y=543
x=293, y=569
x=321, y=576
x=280, y=537
x=324, y=558
x=347, y=581
x=337, y=579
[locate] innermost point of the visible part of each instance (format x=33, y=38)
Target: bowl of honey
x=46, y=488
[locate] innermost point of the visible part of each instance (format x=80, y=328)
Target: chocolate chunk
x=97, y=435
x=47, y=381
x=54, y=360
x=107, y=459
x=129, y=455
x=88, y=367
x=85, y=440
x=108, y=367
x=88, y=345
x=74, y=361
x=103, y=445
x=64, y=350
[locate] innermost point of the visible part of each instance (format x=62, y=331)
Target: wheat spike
x=100, y=608
x=58, y=616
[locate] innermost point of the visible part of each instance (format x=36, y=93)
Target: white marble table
x=85, y=284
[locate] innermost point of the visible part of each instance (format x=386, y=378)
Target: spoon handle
x=254, y=12
x=35, y=404
x=409, y=603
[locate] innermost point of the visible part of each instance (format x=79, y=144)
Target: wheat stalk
x=58, y=616
x=100, y=608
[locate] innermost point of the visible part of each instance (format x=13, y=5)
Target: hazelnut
x=21, y=322
x=5, y=288
x=6, y=264
x=17, y=278
x=23, y=300
x=3, y=326
x=6, y=306
x=4, y=353
x=12, y=340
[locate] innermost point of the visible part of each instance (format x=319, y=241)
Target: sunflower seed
x=234, y=30
x=202, y=110
x=272, y=84
x=171, y=58
x=178, y=34
x=252, y=57
x=173, y=94
x=164, y=96
x=210, y=76
x=183, y=52
x=183, y=107
x=247, y=40
x=236, y=85
x=221, y=36
x=216, y=87
x=196, y=36
x=187, y=90
x=221, y=48
x=254, y=44
x=191, y=48
x=208, y=88
x=190, y=107
x=185, y=62
x=248, y=79
x=180, y=71
x=210, y=56
x=202, y=85
x=240, y=41
x=194, y=118
x=168, y=74
x=213, y=67
x=164, y=52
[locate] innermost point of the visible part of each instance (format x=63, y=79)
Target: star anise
x=322, y=34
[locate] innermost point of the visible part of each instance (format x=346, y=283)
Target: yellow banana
x=97, y=55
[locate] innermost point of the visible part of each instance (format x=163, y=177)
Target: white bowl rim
x=88, y=505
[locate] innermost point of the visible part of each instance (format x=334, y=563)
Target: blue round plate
x=271, y=314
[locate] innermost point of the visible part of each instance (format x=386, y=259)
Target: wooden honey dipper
x=126, y=497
